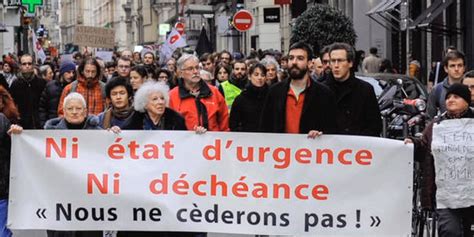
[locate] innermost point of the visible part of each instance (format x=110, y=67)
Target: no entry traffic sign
x=242, y=20
x=179, y=26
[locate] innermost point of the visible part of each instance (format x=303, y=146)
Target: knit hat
x=461, y=91
x=66, y=67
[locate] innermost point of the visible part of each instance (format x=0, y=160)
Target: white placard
x=453, y=151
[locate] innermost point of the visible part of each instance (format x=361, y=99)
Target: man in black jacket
x=299, y=105
x=357, y=108
x=48, y=106
x=26, y=92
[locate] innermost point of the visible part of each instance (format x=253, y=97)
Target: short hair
x=344, y=46
x=325, y=50
x=165, y=71
x=74, y=96
x=454, y=55
x=142, y=94
x=449, y=48
x=205, y=57
x=373, y=50
x=304, y=46
x=111, y=64
x=227, y=68
x=140, y=69
x=149, y=52
x=259, y=66
x=270, y=61
x=118, y=81
x=469, y=74
x=241, y=61
x=126, y=59
x=90, y=61
x=204, y=72
x=27, y=55
x=184, y=58
x=44, y=69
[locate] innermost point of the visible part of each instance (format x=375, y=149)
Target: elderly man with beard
x=299, y=105
x=26, y=92
x=357, y=107
x=231, y=88
x=87, y=84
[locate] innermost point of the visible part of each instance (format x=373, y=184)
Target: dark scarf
x=75, y=126
x=120, y=114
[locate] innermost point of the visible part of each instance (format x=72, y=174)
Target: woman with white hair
x=272, y=67
x=151, y=103
x=75, y=115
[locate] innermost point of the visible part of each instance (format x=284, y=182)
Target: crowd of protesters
x=303, y=92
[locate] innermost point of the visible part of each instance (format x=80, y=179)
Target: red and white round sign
x=179, y=26
x=243, y=20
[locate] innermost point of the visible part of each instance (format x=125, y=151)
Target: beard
x=297, y=73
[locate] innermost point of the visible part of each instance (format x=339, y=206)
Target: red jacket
x=208, y=109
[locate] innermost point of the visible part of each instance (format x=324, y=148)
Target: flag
x=173, y=41
x=37, y=48
x=203, y=45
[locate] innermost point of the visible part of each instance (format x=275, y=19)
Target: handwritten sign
x=97, y=37
x=453, y=151
x=243, y=183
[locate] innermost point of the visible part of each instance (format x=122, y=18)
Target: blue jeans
x=4, y=231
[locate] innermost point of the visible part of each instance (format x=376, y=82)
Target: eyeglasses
x=163, y=77
x=27, y=63
x=338, y=60
x=196, y=68
x=325, y=61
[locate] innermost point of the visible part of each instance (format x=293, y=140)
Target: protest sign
x=453, y=151
x=247, y=183
x=97, y=37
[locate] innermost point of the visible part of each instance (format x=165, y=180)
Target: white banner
x=246, y=183
x=453, y=150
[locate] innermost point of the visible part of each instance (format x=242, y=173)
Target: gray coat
x=92, y=122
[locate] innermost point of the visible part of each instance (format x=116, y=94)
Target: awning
x=386, y=13
x=425, y=20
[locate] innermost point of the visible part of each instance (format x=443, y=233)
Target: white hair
x=184, y=59
x=74, y=96
x=204, y=73
x=269, y=61
x=149, y=87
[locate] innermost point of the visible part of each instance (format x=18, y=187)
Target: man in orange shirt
x=299, y=105
x=199, y=104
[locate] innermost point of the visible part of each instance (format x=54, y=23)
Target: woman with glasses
x=165, y=76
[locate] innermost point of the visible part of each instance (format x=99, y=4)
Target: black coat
x=173, y=121
x=357, y=107
x=27, y=94
x=247, y=108
x=49, y=101
x=319, y=109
